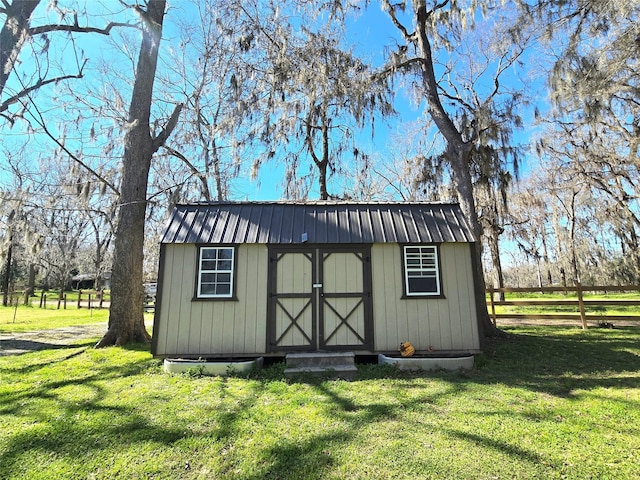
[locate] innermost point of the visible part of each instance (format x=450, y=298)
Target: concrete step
x=320, y=359
x=344, y=372
x=331, y=364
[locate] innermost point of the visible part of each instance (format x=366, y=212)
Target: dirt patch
x=18, y=343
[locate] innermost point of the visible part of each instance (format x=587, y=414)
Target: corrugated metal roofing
x=327, y=222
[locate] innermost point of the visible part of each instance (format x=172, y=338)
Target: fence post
x=493, y=306
x=583, y=315
x=79, y=297
x=42, y=297
x=65, y=301
x=26, y=297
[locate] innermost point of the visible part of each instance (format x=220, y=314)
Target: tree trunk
x=7, y=275
x=126, y=319
x=458, y=155
x=322, y=181
x=464, y=188
x=31, y=286
x=494, y=247
x=321, y=163
x=221, y=193
x=13, y=35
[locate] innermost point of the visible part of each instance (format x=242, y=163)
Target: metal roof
x=325, y=222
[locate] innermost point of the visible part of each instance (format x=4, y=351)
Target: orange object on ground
x=406, y=349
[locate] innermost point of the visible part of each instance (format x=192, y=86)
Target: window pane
x=208, y=278
x=224, y=264
x=428, y=262
x=207, y=289
x=208, y=253
x=209, y=265
x=223, y=278
x=423, y=285
x=226, y=253
x=419, y=274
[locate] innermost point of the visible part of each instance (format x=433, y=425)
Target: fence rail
x=60, y=299
x=580, y=302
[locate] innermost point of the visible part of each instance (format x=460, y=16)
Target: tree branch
x=194, y=170
x=309, y=137
x=391, y=183
x=391, y=11
x=77, y=28
x=40, y=83
x=162, y=137
x=399, y=66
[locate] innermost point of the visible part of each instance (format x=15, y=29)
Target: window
x=421, y=271
x=215, y=272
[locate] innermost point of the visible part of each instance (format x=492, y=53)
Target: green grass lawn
x=26, y=318
x=548, y=402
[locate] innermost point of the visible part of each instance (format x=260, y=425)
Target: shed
x=244, y=279
x=88, y=281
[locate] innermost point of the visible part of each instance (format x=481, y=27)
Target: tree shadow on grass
x=17, y=401
x=309, y=459
x=556, y=362
x=561, y=361
x=314, y=456
x=22, y=346
x=68, y=351
x=70, y=437
x=512, y=451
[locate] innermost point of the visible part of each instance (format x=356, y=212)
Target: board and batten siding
x=211, y=327
x=443, y=324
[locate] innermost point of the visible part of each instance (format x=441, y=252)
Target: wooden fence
x=579, y=302
x=60, y=299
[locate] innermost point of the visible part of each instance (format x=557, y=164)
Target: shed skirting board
x=427, y=363
x=182, y=365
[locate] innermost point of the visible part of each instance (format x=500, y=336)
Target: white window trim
x=436, y=269
x=199, y=293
